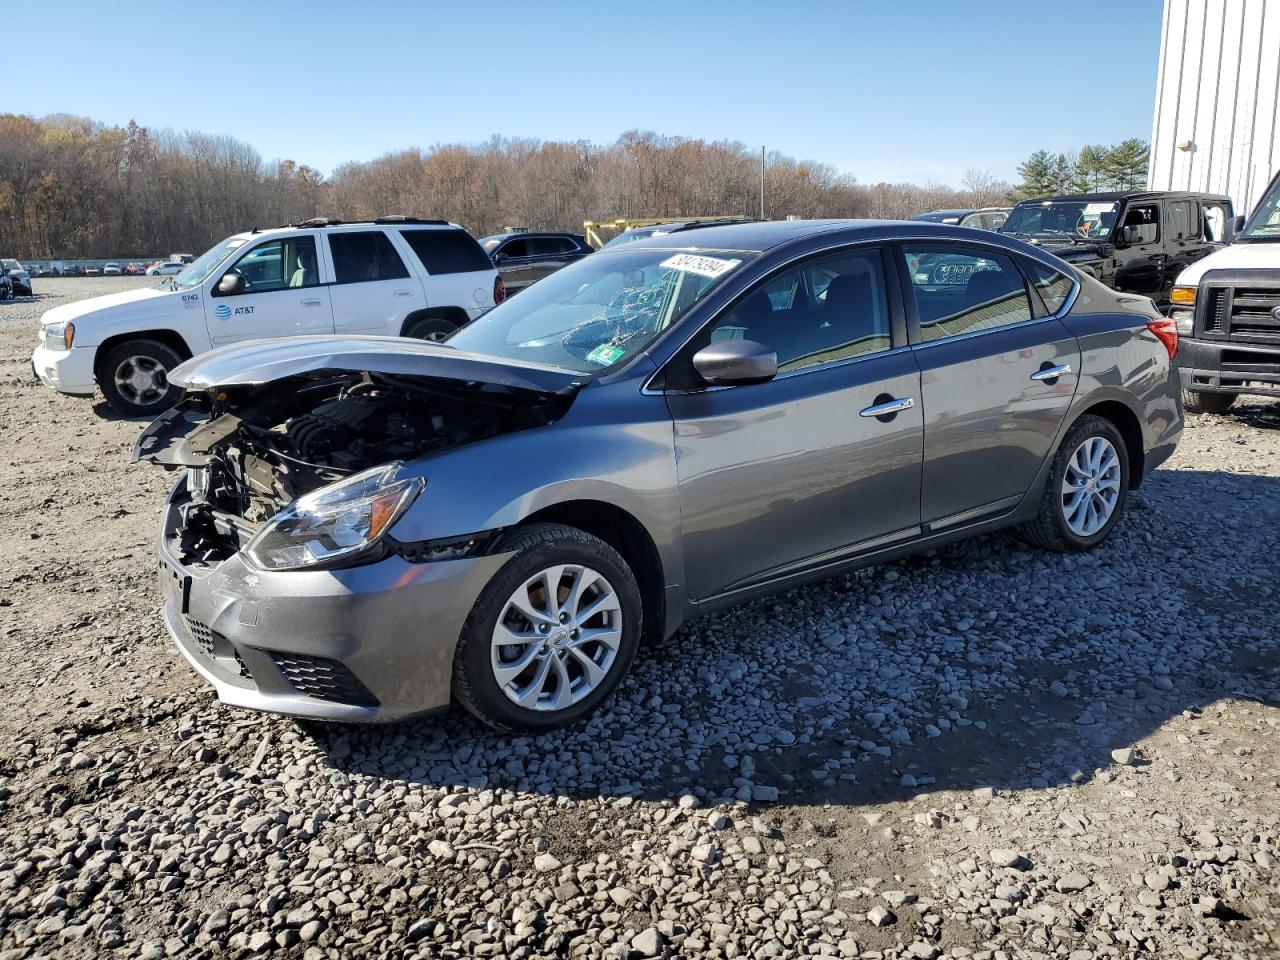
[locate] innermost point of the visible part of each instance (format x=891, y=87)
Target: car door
x=1185, y=241
x=822, y=461
x=547, y=255
x=997, y=378
x=282, y=295
x=372, y=291
x=1140, y=261
x=514, y=261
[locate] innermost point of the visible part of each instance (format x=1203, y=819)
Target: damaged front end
x=318, y=449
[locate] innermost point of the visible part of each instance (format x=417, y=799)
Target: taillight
x=499, y=290
x=1166, y=332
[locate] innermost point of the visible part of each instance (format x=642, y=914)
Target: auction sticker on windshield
x=702, y=266
x=1099, y=207
x=606, y=354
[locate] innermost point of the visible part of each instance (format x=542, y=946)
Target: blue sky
x=884, y=89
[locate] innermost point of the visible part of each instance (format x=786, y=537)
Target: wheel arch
x=1126, y=421
x=456, y=315
x=626, y=534
x=170, y=338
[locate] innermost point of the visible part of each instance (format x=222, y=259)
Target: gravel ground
x=983, y=752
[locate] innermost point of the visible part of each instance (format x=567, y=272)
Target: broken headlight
x=336, y=521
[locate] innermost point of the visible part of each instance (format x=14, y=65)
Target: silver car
x=370, y=528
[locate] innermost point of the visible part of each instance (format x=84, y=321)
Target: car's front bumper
x=370, y=643
x=67, y=371
x=1229, y=366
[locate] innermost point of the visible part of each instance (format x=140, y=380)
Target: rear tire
x=551, y=654
x=433, y=329
x=134, y=378
x=1086, y=490
x=1196, y=401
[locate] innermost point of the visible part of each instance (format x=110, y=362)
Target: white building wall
x=1218, y=94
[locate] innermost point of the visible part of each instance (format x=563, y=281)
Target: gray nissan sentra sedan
x=369, y=528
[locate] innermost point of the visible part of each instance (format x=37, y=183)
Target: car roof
x=761, y=235
x=324, y=223
x=1122, y=195
x=960, y=212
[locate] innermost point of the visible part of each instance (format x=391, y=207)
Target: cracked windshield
x=600, y=311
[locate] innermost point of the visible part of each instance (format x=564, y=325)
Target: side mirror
x=736, y=362
x=1235, y=226
x=500, y=258
x=230, y=284
x=1128, y=235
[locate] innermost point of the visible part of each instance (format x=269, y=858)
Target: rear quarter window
x=1054, y=287
x=447, y=251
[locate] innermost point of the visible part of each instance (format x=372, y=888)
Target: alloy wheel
x=556, y=638
x=141, y=380
x=1091, y=486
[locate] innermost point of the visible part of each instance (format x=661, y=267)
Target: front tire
x=1196, y=401
x=134, y=378
x=551, y=635
x=1086, y=490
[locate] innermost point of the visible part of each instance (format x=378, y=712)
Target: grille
x=1251, y=312
x=201, y=634
x=323, y=679
x=242, y=666
x=1215, y=317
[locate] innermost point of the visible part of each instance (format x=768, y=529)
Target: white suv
x=395, y=276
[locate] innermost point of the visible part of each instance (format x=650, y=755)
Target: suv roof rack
x=399, y=218
x=392, y=218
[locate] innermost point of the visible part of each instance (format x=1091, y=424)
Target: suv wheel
x=1196, y=401
x=134, y=377
x=434, y=329
x=551, y=634
x=1084, y=496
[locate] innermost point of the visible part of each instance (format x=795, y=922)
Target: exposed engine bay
x=253, y=450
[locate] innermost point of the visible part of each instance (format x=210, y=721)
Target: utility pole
x=761, y=182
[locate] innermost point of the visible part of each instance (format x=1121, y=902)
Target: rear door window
x=1184, y=220
x=960, y=291
x=447, y=251
x=365, y=256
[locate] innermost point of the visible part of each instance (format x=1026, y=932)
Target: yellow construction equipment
x=591, y=228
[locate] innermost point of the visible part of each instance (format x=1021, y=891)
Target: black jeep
x=1137, y=242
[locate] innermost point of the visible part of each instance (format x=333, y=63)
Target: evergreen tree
x=1091, y=172
x=1126, y=164
x=1037, y=173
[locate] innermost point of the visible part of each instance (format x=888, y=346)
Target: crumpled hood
x=1234, y=256
x=113, y=304
x=263, y=361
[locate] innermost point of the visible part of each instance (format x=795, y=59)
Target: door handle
x=1051, y=373
x=888, y=408
x=312, y=303
x=404, y=293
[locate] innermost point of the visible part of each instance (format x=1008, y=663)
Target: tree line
x=1094, y=168
x=73, y=188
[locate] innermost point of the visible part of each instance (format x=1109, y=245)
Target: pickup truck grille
x=1240, y=307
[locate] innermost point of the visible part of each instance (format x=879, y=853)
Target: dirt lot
x=985, y=752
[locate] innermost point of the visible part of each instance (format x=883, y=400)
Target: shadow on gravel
x=1264, y=416
x=984, y=664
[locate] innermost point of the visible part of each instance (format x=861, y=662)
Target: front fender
x=614, y=446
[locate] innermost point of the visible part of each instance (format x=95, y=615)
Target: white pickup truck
x=1227, y=309
x=395, y=276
